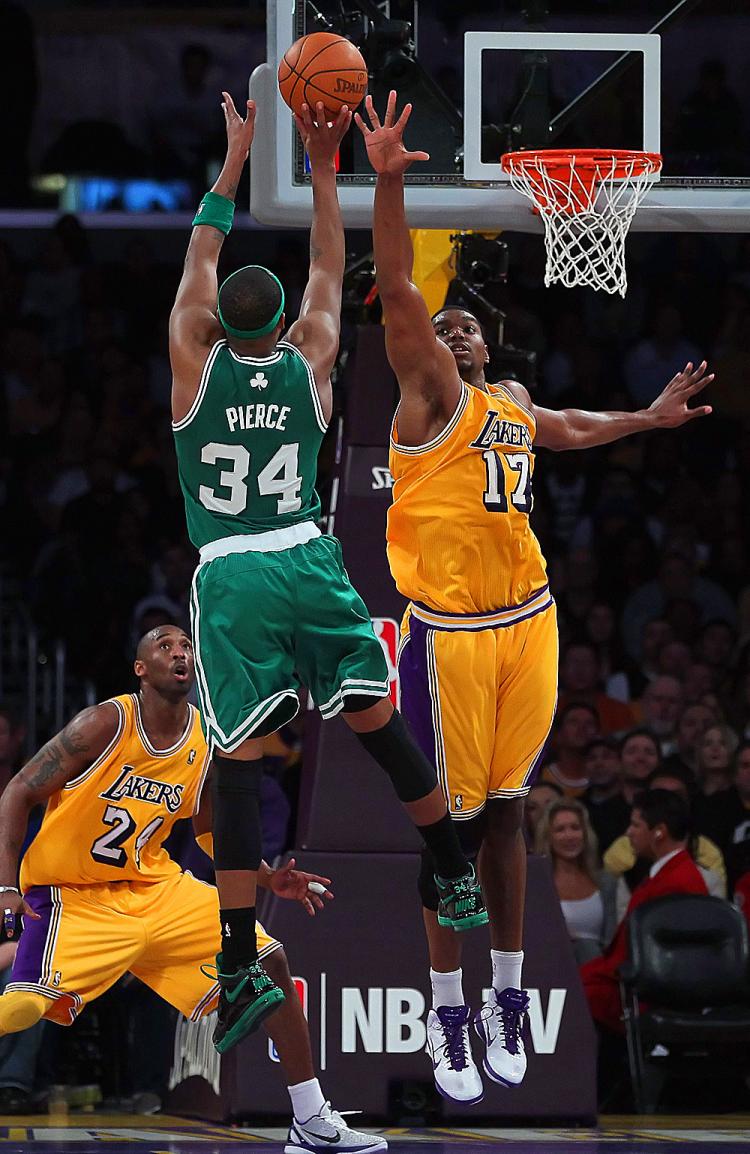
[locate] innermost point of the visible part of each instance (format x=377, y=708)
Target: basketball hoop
x=587, y=200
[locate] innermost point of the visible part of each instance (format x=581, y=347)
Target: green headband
x=251, y=334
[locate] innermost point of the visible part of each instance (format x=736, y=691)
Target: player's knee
x=471, y=834
x=394, y=749
x=504, y=817
x=276, y=966
x=20, y=1010
x=426, y=882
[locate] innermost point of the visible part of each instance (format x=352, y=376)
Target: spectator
x=540, y=796
x=725, y=816
x=18, y=1052
x=697, y=682
x=676, y=581
x=620, y=858
x=658, y=833
x=655, y=636
x=601, y=631
x=692, y=723
x=714, y=761
x=660, y=708
x=607, y=809
x=580, y=683
x=640, y=756
x=575, y=726
x=586, y=893
x=716, y=647
x=673, y=659
x=12, y=736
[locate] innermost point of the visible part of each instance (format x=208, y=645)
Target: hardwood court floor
x=87, y=1133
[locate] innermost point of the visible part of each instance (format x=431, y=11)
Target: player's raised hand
x=299, y=886
x=385, y=142
x=322, y=140
x=671, y=407
x=239, y=132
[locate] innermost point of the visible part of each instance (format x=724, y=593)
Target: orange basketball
x=322, y=66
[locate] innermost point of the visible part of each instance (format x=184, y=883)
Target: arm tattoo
x=315, y=253
x=48, y=763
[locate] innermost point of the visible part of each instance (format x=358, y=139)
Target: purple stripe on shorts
x=416, y=703
x=28, y=965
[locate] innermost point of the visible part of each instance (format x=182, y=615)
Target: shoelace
x=510, y=1021
x=453, y=1020
x=254, y=971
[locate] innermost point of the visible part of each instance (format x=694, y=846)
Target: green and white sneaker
x=246, y=998
x=461, y=904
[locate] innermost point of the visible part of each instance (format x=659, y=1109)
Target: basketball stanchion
x=587, y=200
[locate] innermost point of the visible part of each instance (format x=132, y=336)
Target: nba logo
x=387, y=633
x=300, y=985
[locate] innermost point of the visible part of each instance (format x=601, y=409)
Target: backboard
x=485, y=84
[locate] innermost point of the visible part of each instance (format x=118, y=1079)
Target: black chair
x=688, y=964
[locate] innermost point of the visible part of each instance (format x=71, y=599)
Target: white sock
x=506, y=969
x=307, y=1099
x=447, y=989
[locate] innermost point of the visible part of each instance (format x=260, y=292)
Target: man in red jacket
x=658, y=832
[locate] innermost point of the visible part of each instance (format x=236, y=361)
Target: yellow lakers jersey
x=109, y=823
x=459, y=539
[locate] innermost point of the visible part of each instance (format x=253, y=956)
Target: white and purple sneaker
x=326, y=1129
x=500, y=1023
x=455, y=1073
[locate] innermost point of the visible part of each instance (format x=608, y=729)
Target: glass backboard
x=661, y=76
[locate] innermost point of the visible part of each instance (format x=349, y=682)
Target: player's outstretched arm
x=193, y=324
x=316, y=331
x=67, y=755
x=578, y=429
x=427, y=375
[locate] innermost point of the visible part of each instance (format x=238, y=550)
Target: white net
x=586, y=202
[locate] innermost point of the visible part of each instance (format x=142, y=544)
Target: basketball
x=322, y=66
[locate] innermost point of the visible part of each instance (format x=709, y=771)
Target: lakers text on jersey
x=459, y=539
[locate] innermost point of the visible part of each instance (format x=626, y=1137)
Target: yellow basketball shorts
x=479, y=694
x=87, y=937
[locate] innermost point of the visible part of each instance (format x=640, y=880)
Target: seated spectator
x=580, y=682
x=658, y=833
x=12, y=735
x=575, y=726
x=620, y=858
x=18, y=1052
x=607, y=809
x=714, y=761
x=676, y=581
x=541, y=795
x=697, y=681
x=656, y=634
x=691, y=725
x=601, y=630
x=716, y=647
x=659, y=709
x=640, y=756
x=586, y=892
x=724, y=816
x=673, y=659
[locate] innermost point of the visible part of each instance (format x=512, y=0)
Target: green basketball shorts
x=266, y=623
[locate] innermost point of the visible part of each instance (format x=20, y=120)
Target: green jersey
x=247, y=451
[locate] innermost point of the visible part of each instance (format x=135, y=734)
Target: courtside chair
x=685, y=992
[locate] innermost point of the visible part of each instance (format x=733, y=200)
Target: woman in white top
x=587, y=894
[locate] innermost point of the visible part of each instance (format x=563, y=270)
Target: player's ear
x=486, y=355
x=139, y=667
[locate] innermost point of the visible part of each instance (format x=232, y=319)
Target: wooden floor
x=161, y=1134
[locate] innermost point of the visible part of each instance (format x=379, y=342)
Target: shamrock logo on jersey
x=259, y=381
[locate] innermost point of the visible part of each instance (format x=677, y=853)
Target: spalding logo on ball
x=322, y=66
